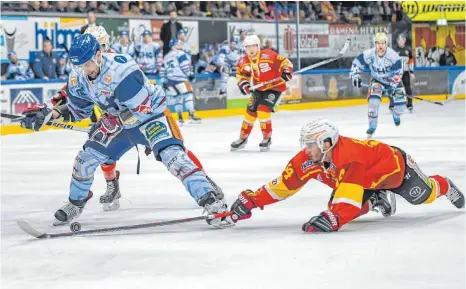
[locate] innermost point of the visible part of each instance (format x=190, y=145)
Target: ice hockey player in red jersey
x=351, y=167
x=260, y=66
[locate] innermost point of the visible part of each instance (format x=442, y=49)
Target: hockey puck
x=75, y=227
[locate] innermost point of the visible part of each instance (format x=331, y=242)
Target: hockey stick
x=340, y=55
x=443, y=102
x=26, y=227
x=50, y=123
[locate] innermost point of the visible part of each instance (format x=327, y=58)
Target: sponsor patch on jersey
x=307, y=164
x=275, y=182
x=105, y=92
x=120, y=59
x=156, y=131
x=271, y=97
x=108, y=79
x=73, y=81
x=265, y=56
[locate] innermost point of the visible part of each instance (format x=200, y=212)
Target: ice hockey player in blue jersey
x=148, y=54
x=224, y=60
x=181, y=35
x=135, y=112
x=123, y=46
x=386, y=70
x=177, y=73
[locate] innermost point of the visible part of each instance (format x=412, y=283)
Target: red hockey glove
x=324, y=222
x=286, y=75
x=241, y=208
x=244, y=88
x=60, y=98
x=36, y=117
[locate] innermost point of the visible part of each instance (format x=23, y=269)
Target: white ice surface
x=419, y=247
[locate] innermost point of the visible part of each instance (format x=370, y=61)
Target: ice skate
x=410, y=108
x=213, y=203
x=369, y=133
x=239, y=144
x=384, y=202
x=110, y=200
x=265, y=144
x=193, y=119
x=180, y=119
x=454, y=195
x=70, y=211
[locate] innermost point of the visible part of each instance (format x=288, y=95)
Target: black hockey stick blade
x=27, y=228
x=11, y=116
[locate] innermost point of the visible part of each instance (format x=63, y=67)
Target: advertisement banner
x=60, y=31
x=433, y=10
x=156, y=27
x=4, y=103
x=206, y=96
x=313, y=40
x=430, y=82
x=191, y=28
x=438, y=45
x=114, y=27
x=22, y=98
x=362, y=37
x=217, y=32
x=136, y=28
x=16, y=35
x=265, y=31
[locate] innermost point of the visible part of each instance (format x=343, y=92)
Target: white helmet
x=100, y=34
x=381, y=37
x=317, y=131
x=252, y=40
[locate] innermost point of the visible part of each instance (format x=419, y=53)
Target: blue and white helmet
x=83, y=48
x=174, y=42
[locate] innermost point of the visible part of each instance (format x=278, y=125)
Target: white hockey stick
x=340, y=55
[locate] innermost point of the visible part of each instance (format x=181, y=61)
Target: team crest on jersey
x=145, y=109
x=120, y=59
x=73, y=81
x=108, y=79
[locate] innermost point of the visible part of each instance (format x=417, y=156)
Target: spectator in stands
x=45, y=66
x=64, y=67
x=169, y=30
x=35, y=6
x=45, y=7
x=91, y=21
x=82, y=7
x=102, y=8
x=146, y=8
x=61, y=6
x=72, y=5
x=158, y=8
x=93, y=6
x=124, y=8
x=447, y=58
x=17, y=70
x=134, y=8
x=23, y=6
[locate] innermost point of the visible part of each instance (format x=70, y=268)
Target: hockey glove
x=244, y=88
x=191, y=77
x=36, y=117
x=60, y=98
x=286, y=75
x=105, y=127
x=325, y=222
x=241, y=208
x=356, y=78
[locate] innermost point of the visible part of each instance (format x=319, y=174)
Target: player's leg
x=267, y=101
x=250, y=117
x=99, y=149
x=188, y=99
x=417, y=188
x=406, y=79
x=176, y=99
x=399, y=104
x=164, y=137
x=224, y=75
x=375, y=97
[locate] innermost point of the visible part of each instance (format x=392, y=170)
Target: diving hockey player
x=177, y=73
x=110, y=199
x=352, y=168
x=148, y=54
x=135, y=113
x=407, y=62
x=386, y=70
x=261, y=66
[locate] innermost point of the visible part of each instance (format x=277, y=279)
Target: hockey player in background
x=223, y=62
x=407, y=63
x=386, y=70
x=110, y=199
x=260, y=66
x=353, y=168
x=148, y=54
x=135, y=113
x=124, y=46
x=177, y=73
x=181, y=35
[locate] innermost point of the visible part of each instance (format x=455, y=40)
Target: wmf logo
x=411, y=8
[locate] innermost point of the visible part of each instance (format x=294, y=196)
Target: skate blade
x=266, y=149
x=238, y=148
x=60, y=223
x=195, y=122
x=113, y=206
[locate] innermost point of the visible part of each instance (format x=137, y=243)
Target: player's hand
x=60, y=98
x=286, y=75
x=241, y=208
x=191, y=77
x=245, y=87
x=324, y=222
x=36, y=117
x=107, y=125
x=356, y=79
